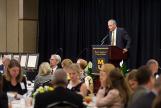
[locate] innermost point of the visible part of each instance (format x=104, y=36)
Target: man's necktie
x=112, y=43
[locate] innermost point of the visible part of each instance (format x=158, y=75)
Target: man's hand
x=125, y=50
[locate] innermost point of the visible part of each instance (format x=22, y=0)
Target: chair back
x=62, y=104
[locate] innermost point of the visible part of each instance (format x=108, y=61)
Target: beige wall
x=18, y=25
x=28, y=34
x=3, y=26
x=12, y=26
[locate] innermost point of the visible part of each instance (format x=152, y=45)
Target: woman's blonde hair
x=44, y=69
x=82, y=63
x=107, y=67
x=14, y=63
x=66, y=63
x=76, y=68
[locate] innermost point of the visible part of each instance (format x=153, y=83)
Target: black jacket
x=59, y=94
x=3, y=100
x=122, y=38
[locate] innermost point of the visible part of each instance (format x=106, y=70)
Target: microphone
x=103, y=40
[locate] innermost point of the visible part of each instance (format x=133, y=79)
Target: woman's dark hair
x=14, y=63
x=117, y=81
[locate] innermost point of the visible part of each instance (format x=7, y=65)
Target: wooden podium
x=102, y=54
x=115, y=55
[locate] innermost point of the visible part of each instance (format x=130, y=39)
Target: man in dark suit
x=118, y=36
x=145, y=85
x=60, y=93
x=146, y=100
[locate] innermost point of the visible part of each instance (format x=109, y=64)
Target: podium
x=102, y=54
x=115, y=55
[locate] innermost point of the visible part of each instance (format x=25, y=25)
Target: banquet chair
x=62, y=104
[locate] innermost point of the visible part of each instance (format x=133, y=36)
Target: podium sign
x=99, y=56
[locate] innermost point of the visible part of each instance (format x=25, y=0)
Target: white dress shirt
x=54, y=69
x=114, y=34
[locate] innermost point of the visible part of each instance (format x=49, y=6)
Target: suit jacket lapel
x=110, y=33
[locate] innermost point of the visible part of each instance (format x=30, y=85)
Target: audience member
x=145, y=84
x=60, y=93
x=44, y=76
x=82, y=63
x=14, y=80
x=131, y=80
x=153, y=66
x=65, y=64
x=54, y=61
x=75, y=83
x=114, y=92
x=146, y=100
x=5, y=62
x=104, y=72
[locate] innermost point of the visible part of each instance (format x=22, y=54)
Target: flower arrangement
x=42, y=90
x=123, y=68
x=88, y=69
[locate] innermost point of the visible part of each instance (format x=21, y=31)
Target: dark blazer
x=140, y=92
x=59, y=94
x=122, y=38
x=20, y=88
x=3, y=100
x=144, y=101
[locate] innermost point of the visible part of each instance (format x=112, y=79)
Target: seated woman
x=82, y=63
x=44, y=76
x=13, y=79
x=3, y=96
x=75, y=83
x=131, y=80
x=114, y=92
x=65, y=64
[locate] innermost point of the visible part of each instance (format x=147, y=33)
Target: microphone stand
x=103, y=40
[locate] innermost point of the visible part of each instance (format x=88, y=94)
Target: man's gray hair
x=57, y=57
x=113, y=21
x=151, y=61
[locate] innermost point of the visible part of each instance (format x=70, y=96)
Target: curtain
x=70, y=27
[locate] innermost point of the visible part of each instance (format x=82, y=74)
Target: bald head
x=60, y=77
